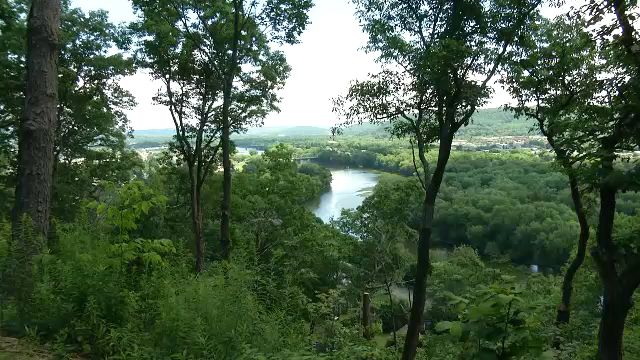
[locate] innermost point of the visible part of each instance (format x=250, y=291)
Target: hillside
x=496, y=122
x=486, y=123
x=159, y=137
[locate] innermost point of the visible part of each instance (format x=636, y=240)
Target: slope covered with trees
x=465, y=249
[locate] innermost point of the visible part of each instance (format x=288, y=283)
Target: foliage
x=193, y=323
x=92, y=121
x=582, y=83
x=508, y=204
x=143, y=255
x=294, y=273
x=122, y=208
x=80, y=180
x=116, y=280
x=151, y=306
x=494, y=323
x=220, y=76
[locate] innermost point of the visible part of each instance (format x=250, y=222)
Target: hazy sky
x=327, y=58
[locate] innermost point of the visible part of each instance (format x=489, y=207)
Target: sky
x=328, y=57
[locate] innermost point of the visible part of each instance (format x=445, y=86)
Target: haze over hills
x=486, y=123
x=270, y=131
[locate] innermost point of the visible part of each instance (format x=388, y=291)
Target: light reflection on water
x=349, y=188
x=247, y=150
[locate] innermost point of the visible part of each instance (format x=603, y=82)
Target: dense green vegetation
x=120, y=242
x=285, y=289
x=491, y=234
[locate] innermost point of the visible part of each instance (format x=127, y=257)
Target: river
x=242, y=150
x=349, y=188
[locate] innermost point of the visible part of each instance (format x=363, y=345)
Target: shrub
x=217, y=316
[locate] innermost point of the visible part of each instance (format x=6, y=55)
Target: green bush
x=218, y=316
x=138, y=299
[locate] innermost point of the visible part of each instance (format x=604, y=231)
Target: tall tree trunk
x=225, y=221
x=37, y=128
x=393, y=317
x=196, y=218
x=366, y=316
x=36, y=138
x=424, y=245
x=617, y=298
x=564, y=312
x=52, y=238
x=616, y=305
x=564, y=308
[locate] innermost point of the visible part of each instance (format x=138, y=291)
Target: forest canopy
x=477, y=232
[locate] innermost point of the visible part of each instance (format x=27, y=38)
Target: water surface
x=242, y=150
x=349, y=188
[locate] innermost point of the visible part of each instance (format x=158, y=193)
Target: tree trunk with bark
x=366, y=316
x=564, y=312
x=424, y=245
x=36, y=137
x=198, y=232
x=393, y=315
x=225, y=221
x=619, y=285
x=616, y=305
x=564, y=308
x=37, y=128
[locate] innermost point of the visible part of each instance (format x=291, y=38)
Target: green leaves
x=122, y=208
x=92, y=120
x=146, y=254
x=444, y=38
x=286, y=18
x=190, y=45
x=493, y=323
x=453, y=327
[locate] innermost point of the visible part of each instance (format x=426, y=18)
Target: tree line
x=86, y=210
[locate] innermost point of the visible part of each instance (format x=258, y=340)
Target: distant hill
x=365, y=130
x=269, y=131
x=496, y=122
x=160, y=137
x=486, y=122
x=285, y=131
